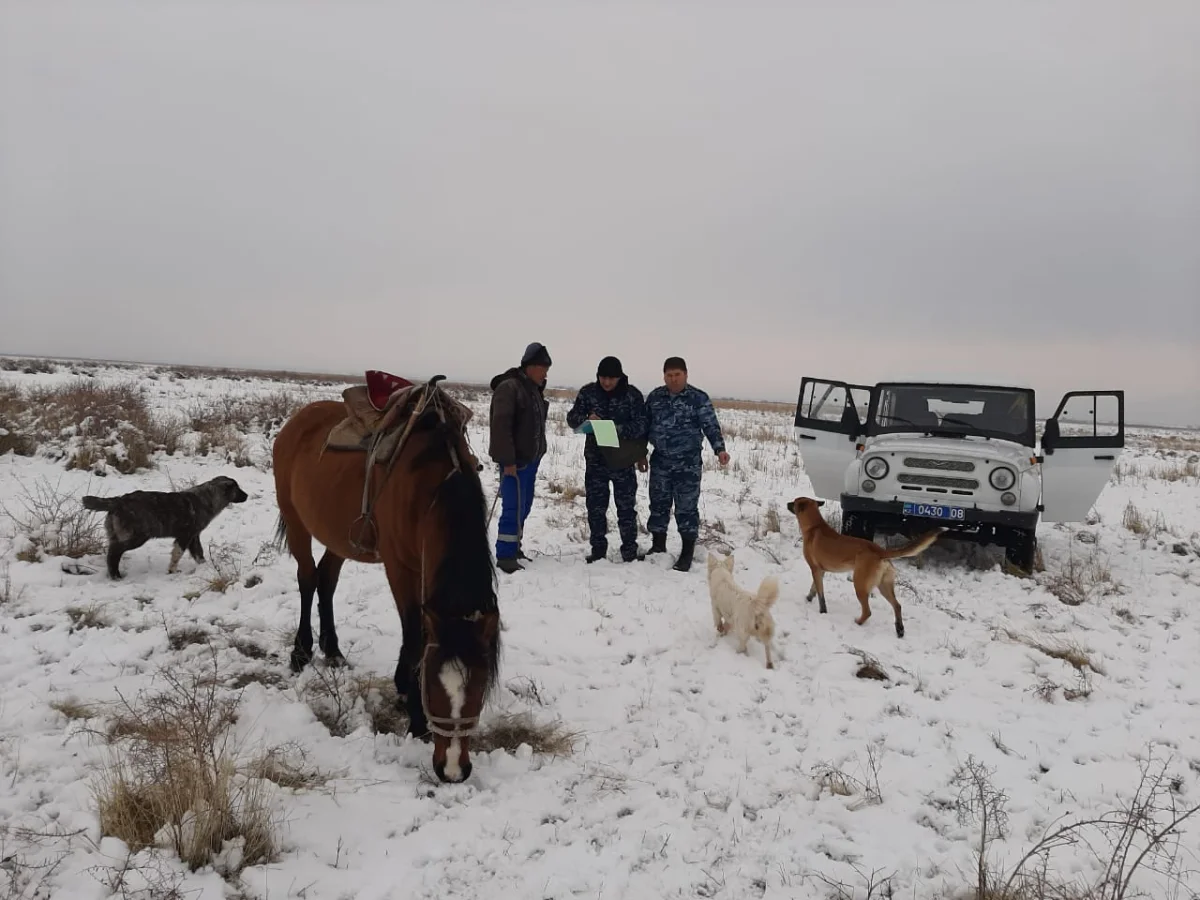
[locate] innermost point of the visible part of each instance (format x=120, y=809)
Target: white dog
x=749, y=614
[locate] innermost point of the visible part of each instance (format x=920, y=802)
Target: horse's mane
x=464, y=582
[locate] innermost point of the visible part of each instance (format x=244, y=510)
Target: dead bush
x=55, y=522
x=173, y=778
x=1139, y=838
x=1082, y=578
x=1145, y=526
x=1069, y=651
x=226, y=560
x=511, y=730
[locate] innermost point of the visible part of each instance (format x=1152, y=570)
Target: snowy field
x=695, y=771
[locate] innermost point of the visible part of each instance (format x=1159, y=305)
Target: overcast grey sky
x=862, y=190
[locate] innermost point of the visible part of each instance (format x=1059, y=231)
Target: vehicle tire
x=1021, y=550
x=858, y=525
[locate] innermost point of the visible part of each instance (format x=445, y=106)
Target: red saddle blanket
x=381, y=386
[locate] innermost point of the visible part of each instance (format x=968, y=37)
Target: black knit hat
x=610, y=367
x=535, y=355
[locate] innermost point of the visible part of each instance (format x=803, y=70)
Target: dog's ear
x=819, y=502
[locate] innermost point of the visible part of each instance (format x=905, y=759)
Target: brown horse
x=430, y=524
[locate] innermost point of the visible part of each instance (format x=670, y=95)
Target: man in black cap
x=517, y=444
x=680, y=417
x=611, y=396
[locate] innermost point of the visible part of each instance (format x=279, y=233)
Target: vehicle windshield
x=954, y=410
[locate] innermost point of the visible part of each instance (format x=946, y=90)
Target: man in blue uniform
x=679, y=417
x=611, y=396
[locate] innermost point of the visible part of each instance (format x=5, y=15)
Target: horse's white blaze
x=454, y=683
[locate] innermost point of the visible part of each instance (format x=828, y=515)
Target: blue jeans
x=516, y=500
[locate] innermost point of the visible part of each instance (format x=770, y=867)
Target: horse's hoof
x=300, y=659
x=899, y=630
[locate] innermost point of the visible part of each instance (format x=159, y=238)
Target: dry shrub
x=55, y=523
x=173, y=779
x=15, y=436
x=1175, y=443
x=91, y=408
x=1082, y=578
x=287, y=767
x=342, y=702
x=840, y=783
x=510, y=730
x=1139, y=838
x=1148, y=527
x=226, y=560
x=567, y=491
x=73, y=709
x=1069, y=651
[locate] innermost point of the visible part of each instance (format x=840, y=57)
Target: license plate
x=934, y=511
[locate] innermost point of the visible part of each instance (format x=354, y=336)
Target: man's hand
x=642, y=465
x=594, y=417
x=723, y=458
x=510, y=470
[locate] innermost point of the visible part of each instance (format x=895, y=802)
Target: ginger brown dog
x=825, y=550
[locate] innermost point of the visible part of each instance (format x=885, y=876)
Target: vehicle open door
x=830, y=417
x=1080, y=446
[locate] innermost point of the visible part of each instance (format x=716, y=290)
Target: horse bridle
x=451, y=727
x=444, y=726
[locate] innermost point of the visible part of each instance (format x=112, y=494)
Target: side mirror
x=1050, y=436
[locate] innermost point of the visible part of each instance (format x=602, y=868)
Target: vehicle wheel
x=858, y=525
x=1021, y=550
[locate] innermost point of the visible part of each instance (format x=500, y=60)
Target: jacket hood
x=514, y=372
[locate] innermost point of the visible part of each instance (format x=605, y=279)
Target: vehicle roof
x=943, y=382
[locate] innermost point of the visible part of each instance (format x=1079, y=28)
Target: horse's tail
x=280, y=533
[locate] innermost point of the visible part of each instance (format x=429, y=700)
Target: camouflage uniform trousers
x=596, y=477
x=675, y=481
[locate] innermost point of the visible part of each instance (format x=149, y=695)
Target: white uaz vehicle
x=903, y=457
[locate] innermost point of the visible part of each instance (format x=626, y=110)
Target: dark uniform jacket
x=627, y=409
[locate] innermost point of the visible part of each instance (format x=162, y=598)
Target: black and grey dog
x=136, y=517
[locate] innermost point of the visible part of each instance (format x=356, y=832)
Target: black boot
x=596, y=556
x=659, y=544
x=685, y=557
x=509, y=565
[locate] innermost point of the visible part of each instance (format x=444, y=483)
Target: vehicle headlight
x=876, y=467
x=1002, y=479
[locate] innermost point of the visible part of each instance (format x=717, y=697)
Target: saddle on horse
x=379, y=411
x=379, y=417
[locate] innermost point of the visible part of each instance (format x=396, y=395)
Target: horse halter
x=444, y=726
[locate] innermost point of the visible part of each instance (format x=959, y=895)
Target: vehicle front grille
x=945, y=465
x=938, y=481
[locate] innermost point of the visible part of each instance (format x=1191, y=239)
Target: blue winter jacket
x=678, y=423
x=625, y=406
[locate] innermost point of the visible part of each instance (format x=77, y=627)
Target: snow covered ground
x=697, y=772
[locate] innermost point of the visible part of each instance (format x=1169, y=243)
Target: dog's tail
x=100, y=504
x=916, y=548
x=768, y=591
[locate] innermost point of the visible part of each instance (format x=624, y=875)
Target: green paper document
x=605, y=432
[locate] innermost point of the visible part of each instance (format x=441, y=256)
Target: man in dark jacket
x=611, y=396
x=679, y=417
x=517, y=444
